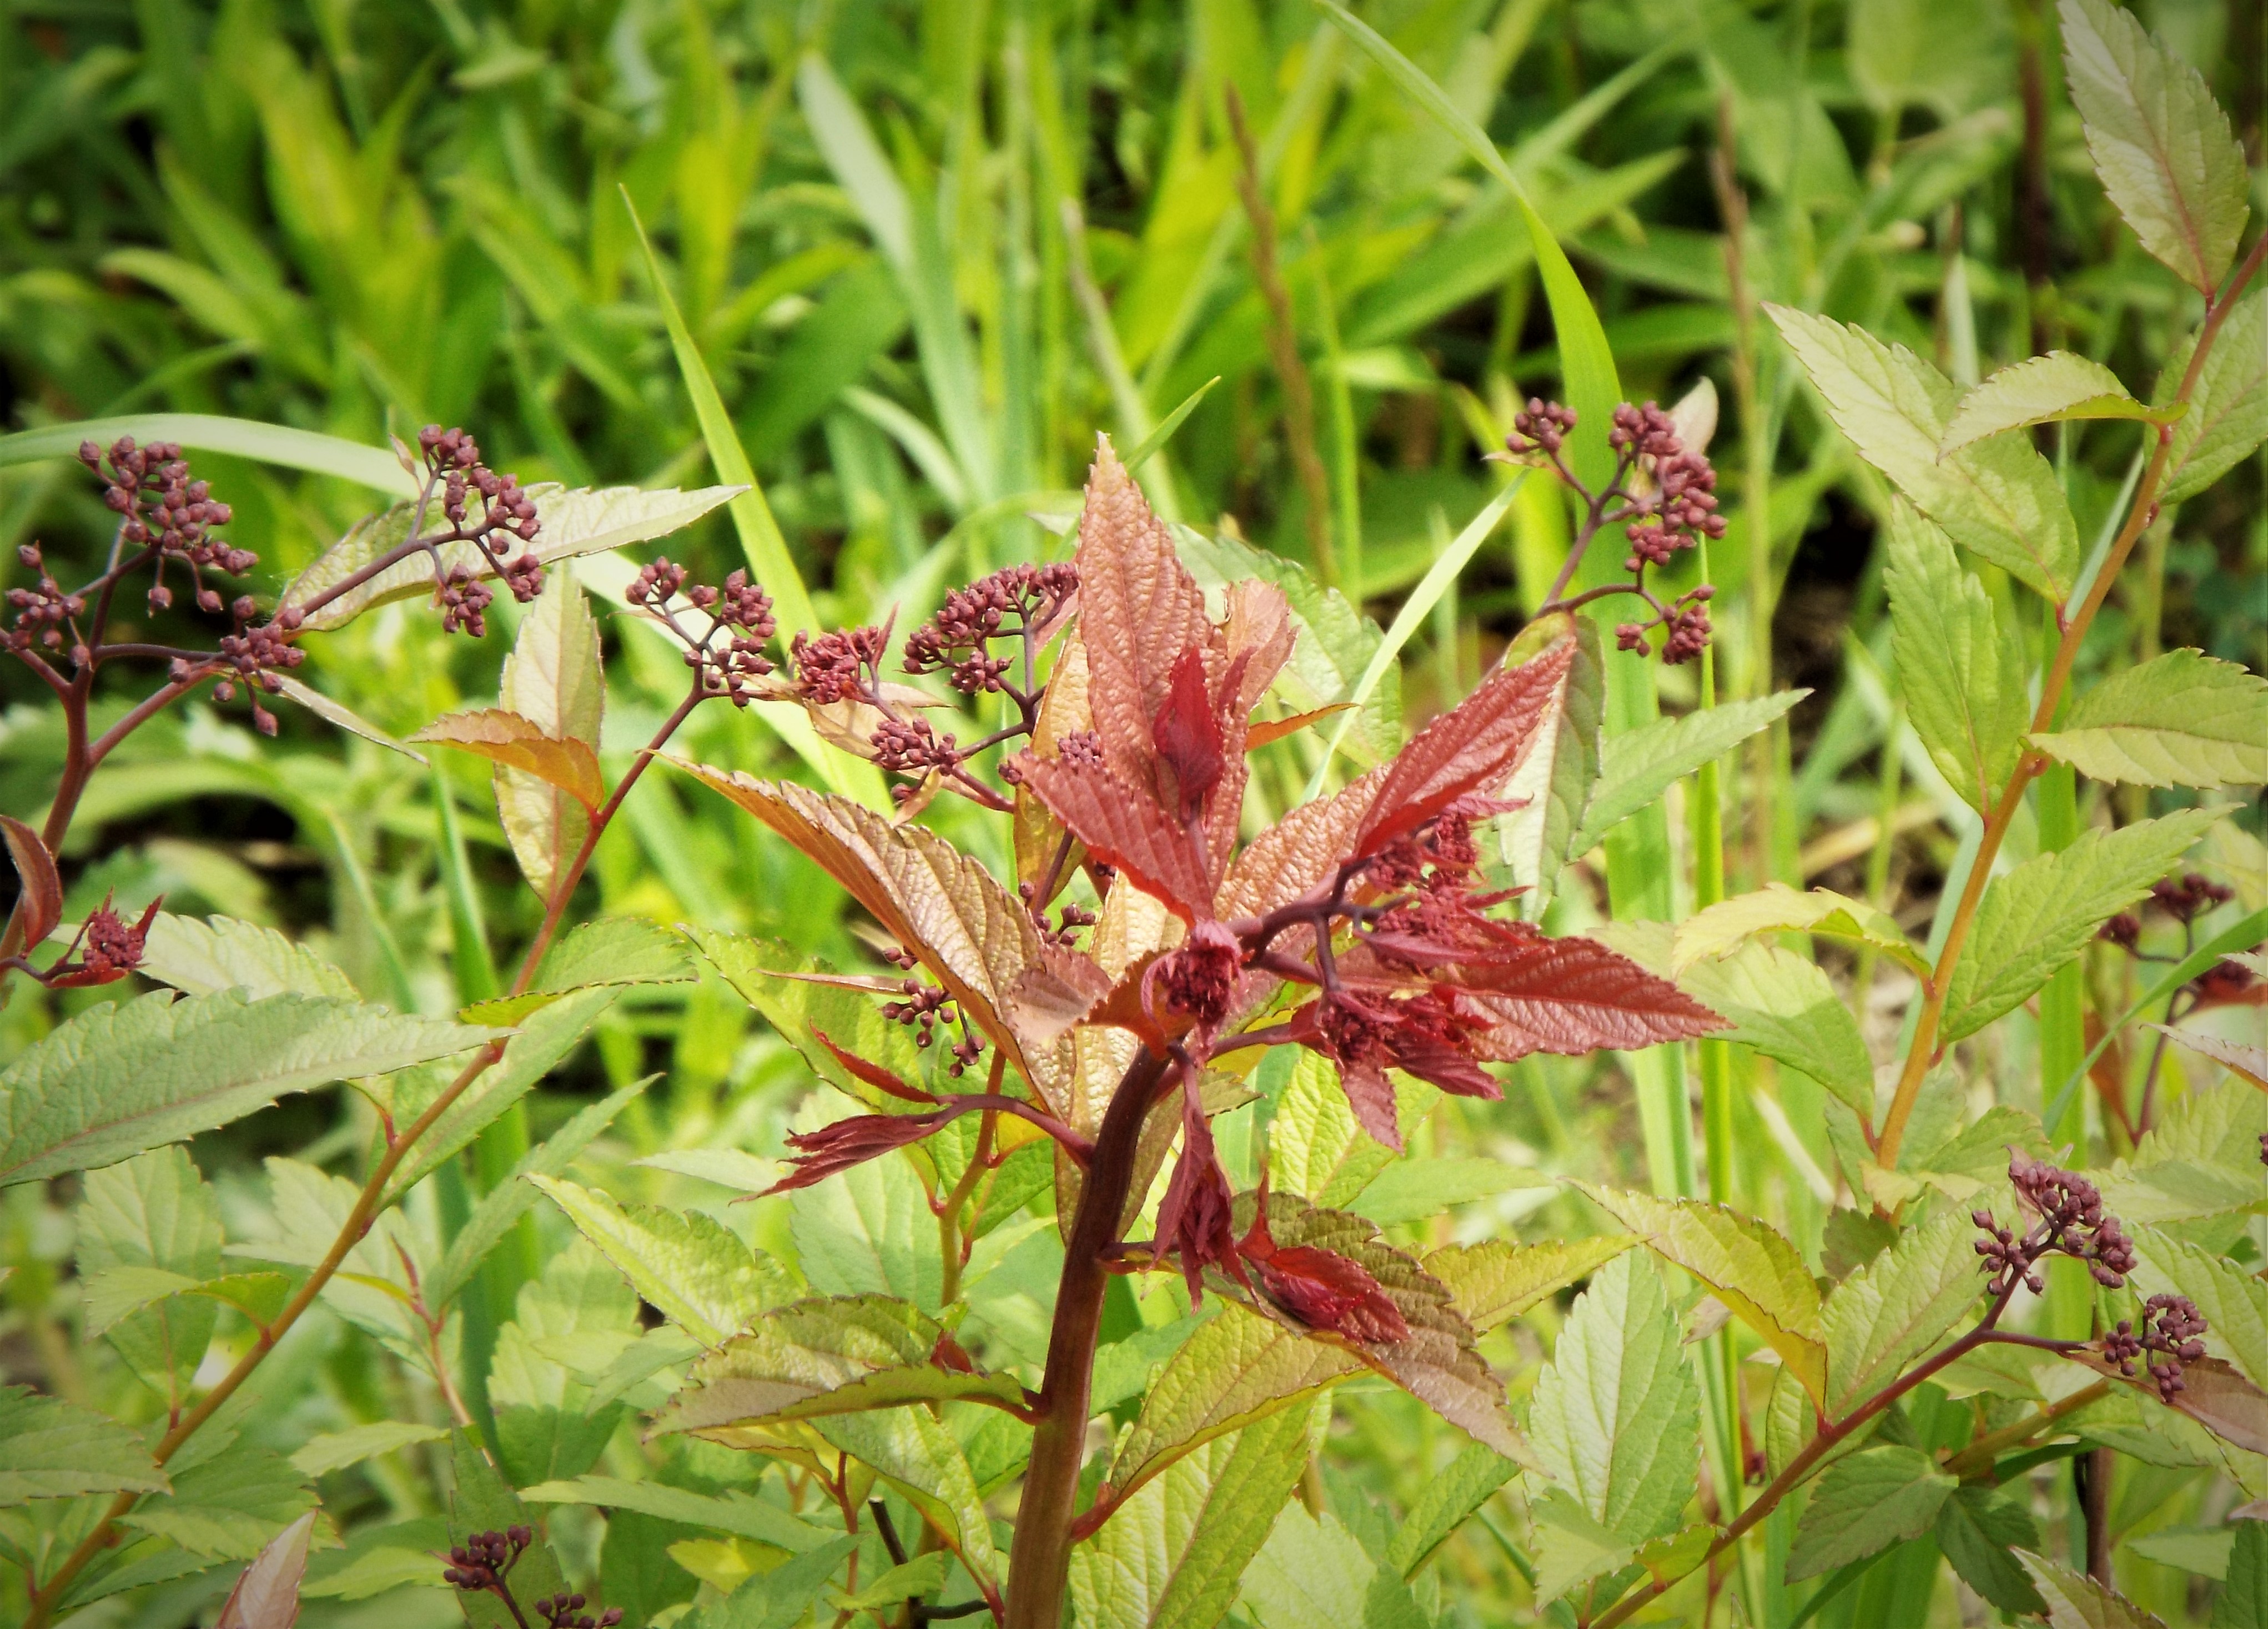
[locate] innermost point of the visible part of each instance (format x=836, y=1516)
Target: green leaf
x=1998, y=498
x=910, y=1449
x=2244, y=1602
x=1786, y=1008
x=611, y=951
x=1747, y=1265
x=1864, y=1502
x=1172, y=1553
x=2074, y=1600
x=117, y=1080
x=1316, y=1146
x=779, y=1599
x=2044, y=390
x=1233, y=1371
x=336, y=1450
x=339, y=717
x=1497, y=1280
x=1447, y=1501
x=1963, y=683
x=229, y=1505
x=2161, y=144
x=834, y=1355
x=372, y=1288
x=151, y=1214
x=687, y=1265
x=800, y=1010
x=1558, y=777
x=732, y=1511
x=1893, y=1311
x=924, y=1575
x=200, y=957
x=503, y=1204
x=1413, y=1190
x=2180, y=719
x=2235, y=1304
x=1310, y=1571
x=375, y=468
x=53, y=1450
x=1980, y=1528
x=1638, y=767
x=1167, y=425
x=1778, y=908
x=2040, y=915
x=869, y=1231
x=569, y=1323
x=2229, y=404
x=553, y=680
x=546, y=1039
x=484, y=1503
x=581, y=522
x=1616, y=1414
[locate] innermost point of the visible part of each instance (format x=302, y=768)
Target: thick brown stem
x=1040, y=1566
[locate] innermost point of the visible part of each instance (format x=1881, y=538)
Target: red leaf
x=1188, y=734
x=1472, y=749
x=43, y=889
x=1570, y=996
x=820, y=1155
x=1124, y=828
x=873, y=1074
x=1371, y=1095
x=1324, y=1289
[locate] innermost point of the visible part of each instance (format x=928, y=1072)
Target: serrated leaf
x=742, y=1514
x=1172, y=1553
x=2179, y=719
x=2161, y=144
x=553, y=680
x=1233, y=1371
x=939, y=903
x=1616, y=1414
x=483, y=1502
x=504, y=737
x=580, y=522
x=2043, y=390
x=1893, y=1311
x=689, y=1266
x=1745, y=1262
x=831, y=1356
x=2234, y=1303
x=2074, y=1600
x=2244, y=1602
x=2229, y=404
x=1413, y=1190
x=1636, y=768
x=911, y=1449
x=1495, y=1281
x=803, y=1008
x=1962, y=682
x=546, y=1039
x=220, y=952
x=117, y=1080
x=152, y=1215
x=1311, y=1571
x=267, y=1596
x=1778, y=908
x=1316, y=1147
x=2040, y=915
x=869, y=1231
x=1998, y=498
x=1864, y=1503
x=336, y=1450
x=1786, y=1008
x=1447, y=1501
x=1557, y=781
x=39, y=887
x=1979, y=1529
x=308, y=1209
x=53, y=1450
x=228, y=1506
x=611, y=951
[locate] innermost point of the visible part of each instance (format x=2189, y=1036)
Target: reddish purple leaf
x=1472, y=749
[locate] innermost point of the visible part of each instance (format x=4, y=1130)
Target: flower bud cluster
x=2071, y=1223
x=253, y=653
x=565, y=1611
x=44, y=612
x=452, y=461
x=1540, y=427
x=956, y=640
x=728, y=658
x=2189, y=896
x=484, y=1559
x=842, y=666
x=2171, y=1328
x=178, y=526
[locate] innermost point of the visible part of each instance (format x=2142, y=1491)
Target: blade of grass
x=1172, y=421
x=1346, y=472
x=1412, y=615
x=372, y=466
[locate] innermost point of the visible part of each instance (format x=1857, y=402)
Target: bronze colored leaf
x=43, y=889
x=1574, y=996
x=508, y=738
x=1123, y=826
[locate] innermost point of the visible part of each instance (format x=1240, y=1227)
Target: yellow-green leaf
x=2044, y=390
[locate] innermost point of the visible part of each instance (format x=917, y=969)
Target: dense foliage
x=962, y=1045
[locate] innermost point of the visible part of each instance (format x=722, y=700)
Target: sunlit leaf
x=220, y=952
x=1640, y=765
x=2180, y=719
x=687, y=1265
x=267, y=1596
x=2229, y=404
x=2043, y=390
x=1891, y=1312
x=1498, y=1280
x=553, y=680
x=1962, y=676
x=610, y=951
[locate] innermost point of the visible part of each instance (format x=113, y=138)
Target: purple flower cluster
x=956, y=640
x=2071, y=1222
x=2171, y=1328
x=727, y=659
x=179, y=526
